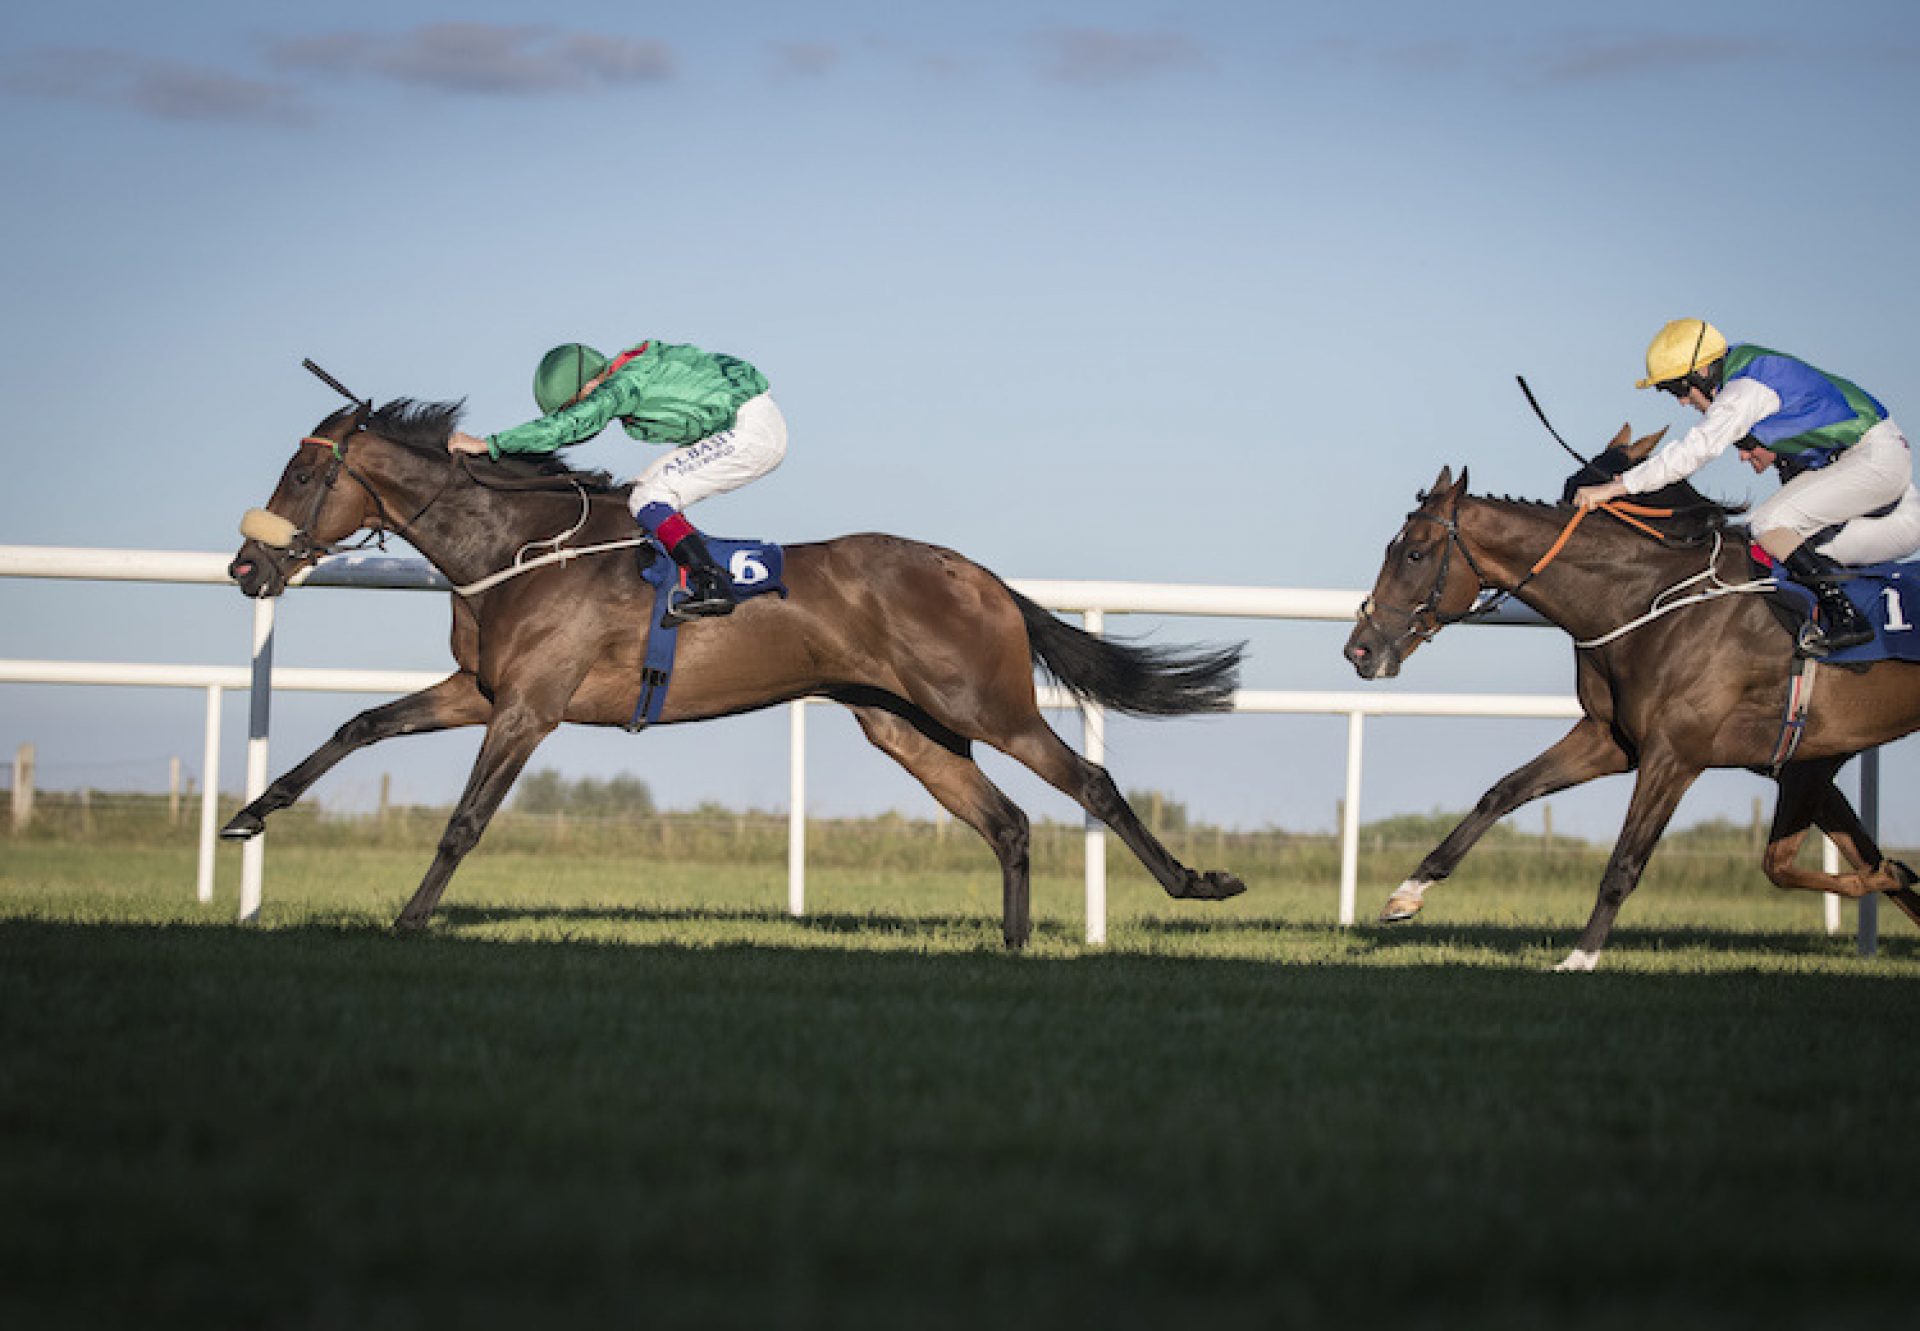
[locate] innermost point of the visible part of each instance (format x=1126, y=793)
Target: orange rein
x=1627, y=513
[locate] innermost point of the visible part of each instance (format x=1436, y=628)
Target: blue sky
x=1193, y=293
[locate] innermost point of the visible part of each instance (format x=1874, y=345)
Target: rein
x=1484, y=604
x=299, y=545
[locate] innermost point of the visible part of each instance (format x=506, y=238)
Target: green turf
x=609, y=1091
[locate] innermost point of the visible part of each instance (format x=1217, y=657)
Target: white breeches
x=720, y=462
x=1873, y=473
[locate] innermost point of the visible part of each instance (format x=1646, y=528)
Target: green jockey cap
x=563, y=372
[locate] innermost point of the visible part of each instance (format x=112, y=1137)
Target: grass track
x=582, y=1099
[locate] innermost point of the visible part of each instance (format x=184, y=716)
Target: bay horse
x=931, y=652
x=1702, y=687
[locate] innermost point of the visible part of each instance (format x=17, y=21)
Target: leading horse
x=1702, y=687
x=931, y=652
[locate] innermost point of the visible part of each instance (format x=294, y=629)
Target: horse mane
x=1695, y=517
x=425, y=427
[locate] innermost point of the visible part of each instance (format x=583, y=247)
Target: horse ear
x=1620, y=440
x=1442, y=481
x=1639, y=449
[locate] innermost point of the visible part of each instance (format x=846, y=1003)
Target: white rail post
x=797, y=807
x=1829, y=903
x=1870, y=819
x=1350, y=822
x=1094, y=731
x=210, y=796
x=253, y=857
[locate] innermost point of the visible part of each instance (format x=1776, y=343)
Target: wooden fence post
x=23, y=789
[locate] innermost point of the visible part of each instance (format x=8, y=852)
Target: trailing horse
x=931, y=652
x=1704, y=686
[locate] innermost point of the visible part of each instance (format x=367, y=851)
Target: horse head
x=1619, y=455
x=310, y=509
x=1419, y=589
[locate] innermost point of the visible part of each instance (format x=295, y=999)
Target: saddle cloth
x=753, y=567
x=1887, y=597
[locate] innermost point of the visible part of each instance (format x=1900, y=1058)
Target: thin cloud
x=809, y=60
x=1095, y=56
x=482, y=59
x=158, y=89
x=1593, y=60
x=1570, y=58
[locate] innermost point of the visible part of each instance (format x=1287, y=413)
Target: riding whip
x=1531, y=401
x=359, y=401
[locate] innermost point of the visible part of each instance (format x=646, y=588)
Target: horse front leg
x=512, y=735
x=1809, y=797
x=453, y=702
x=1587, y=751
x=1664, y=778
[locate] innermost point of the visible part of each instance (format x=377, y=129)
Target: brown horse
x=1702, y=687
x=931, y=652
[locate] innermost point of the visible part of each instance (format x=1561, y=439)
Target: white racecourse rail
x=1092, y=600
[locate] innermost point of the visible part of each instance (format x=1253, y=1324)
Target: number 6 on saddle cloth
x=754, y=568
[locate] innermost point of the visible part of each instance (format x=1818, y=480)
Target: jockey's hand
x=461, y=442
x=1759, y=458
x=1592, y=496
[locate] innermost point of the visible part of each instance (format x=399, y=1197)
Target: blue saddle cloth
x=1887, y=597
x=753, y=567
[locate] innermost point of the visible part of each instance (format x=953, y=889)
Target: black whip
x=1531, y=401
x=359, y=401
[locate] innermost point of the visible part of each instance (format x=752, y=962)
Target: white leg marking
x=1406, y=901
x=1579, y=961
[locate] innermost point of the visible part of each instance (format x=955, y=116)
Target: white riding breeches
x=721, y=462
x=1870, y=475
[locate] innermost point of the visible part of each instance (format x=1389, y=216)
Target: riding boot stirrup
x=1839, y=625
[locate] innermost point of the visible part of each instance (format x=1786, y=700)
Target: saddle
x=753, y=568
x=1887, y=597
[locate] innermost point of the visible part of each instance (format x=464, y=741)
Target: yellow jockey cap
x=1683, y=346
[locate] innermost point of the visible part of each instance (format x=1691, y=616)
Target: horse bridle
x=301, y=546
x=1491, y=596
x=1430, y=607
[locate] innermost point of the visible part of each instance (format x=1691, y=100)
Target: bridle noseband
x=301, y=546
x=1429, y=609
x=1490, y=595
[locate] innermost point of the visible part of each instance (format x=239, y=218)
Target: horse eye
x=302, y=477
x=1415, y=556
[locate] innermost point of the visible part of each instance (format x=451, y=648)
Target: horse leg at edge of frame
x=1587, y=751
x=1089, y=785
x=1656, y=794
x=940, y=761
x=454, y=702
x=512, y=736
x=1808, y=797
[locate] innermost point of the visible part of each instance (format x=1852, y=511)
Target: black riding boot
x=707, y=592
x=1840, y=626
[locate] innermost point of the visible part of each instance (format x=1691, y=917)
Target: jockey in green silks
x=714, y=409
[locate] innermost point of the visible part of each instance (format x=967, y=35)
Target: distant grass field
x=611, y=1089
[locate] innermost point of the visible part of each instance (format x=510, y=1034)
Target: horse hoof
x=1578, y=963
x=1213, y=885
x=409, y=927
x=243, y=826
x=1399, y=909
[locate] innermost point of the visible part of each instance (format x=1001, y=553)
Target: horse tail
x=1147, y=681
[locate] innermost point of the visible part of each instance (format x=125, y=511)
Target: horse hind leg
x=940, y=761
x=1089, y=785
x=1808, y=797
